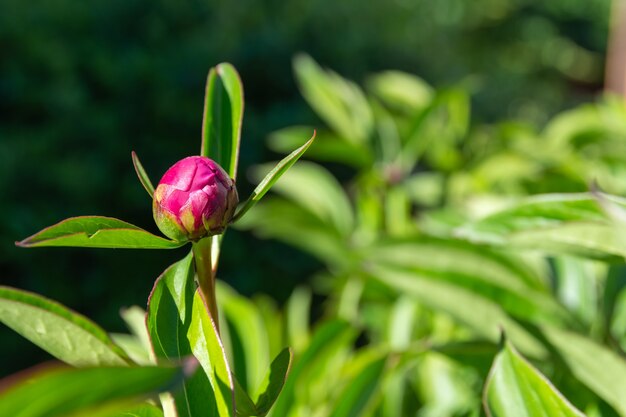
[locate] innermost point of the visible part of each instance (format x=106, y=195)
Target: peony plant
x=176, y=350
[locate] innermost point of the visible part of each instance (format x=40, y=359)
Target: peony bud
x=195, y=198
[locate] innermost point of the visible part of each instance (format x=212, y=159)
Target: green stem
x=206, y=276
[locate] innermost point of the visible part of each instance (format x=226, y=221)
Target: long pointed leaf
x=274, y=381
x=142, y=175
x=599, y=368
x=64, y=334
x=207, y=348
x=168, y=320
x=271, y=178
x=222, y=118
x=52, y=391
x=516, y=389
x=97, y=232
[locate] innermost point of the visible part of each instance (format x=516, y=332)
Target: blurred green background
x=84, y=83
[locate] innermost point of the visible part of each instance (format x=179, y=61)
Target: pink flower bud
x=195, y=198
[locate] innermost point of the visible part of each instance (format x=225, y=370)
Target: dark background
x=84, y=83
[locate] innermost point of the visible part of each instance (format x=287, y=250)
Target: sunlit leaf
x=271, y=177
x=222, y=117
x=59, y=391
x=485, y=316
x=61, y=332
x=327, y=147
x=168, y=321
x=97, y=232
x=338, y=101
x=330, y=337
x=274, y=381
x=207, y=348
x=555, y=223
x=600, y=369
x=516, y=389
x=314, y=188
x=358, y=394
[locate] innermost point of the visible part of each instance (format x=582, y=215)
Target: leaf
x=144, y=410
x=356, y=397
x=271, y=178
x=97, y=232
x=142, y=175
x=298, y=317
x=269, y=389
x=169, y=319
x=600, y=369
x=274, y=381
x=61, y=332
x=341, y=103
x=52, y=391
x=276, y=218
x=207, y=348
x=133, y=348
x=400, y=90
x=515, y=388
x=327, y=339
x=316, y=189
x=485, y=316
x=222, y=117
x=135, y=319
x=488, y=273
x=247, y=339
x=327, y=147
x=554, y=223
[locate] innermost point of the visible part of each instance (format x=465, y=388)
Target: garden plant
x=175, y=348
x=467, y=269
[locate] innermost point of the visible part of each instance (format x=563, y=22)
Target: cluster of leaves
x=174, y=348
x=72, y=85
x=446, y=235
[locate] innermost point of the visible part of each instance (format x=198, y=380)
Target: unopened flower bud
x=195, y=198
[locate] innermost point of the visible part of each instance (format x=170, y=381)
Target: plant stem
x=206, y=276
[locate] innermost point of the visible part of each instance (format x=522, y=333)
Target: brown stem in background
x=615, y=77
x=206, y=276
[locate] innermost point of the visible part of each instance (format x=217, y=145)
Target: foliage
x=438, y=240
x=180, y=330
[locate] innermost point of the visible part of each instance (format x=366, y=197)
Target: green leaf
x=328, y=339
x=144, y=410
x=554, y=223
x=169, y=319
x=488, y=273
x=142, y=175
x=274, y=381
x=133, y=348
x=97, y=232
x=269, y=390
x=515, y=388
x=485, y=316
x=271, y=178
x=600, y=369
x=298, y=317
x=341, y=103
x=135, y=319
x=276, y=218
x=357, y=396
x=61, y=332
x=246, y=338
x=400, y=90
x=314, y=188
x=59, y=391
x=327, y=147
x=222, y=117
x=207, y=348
